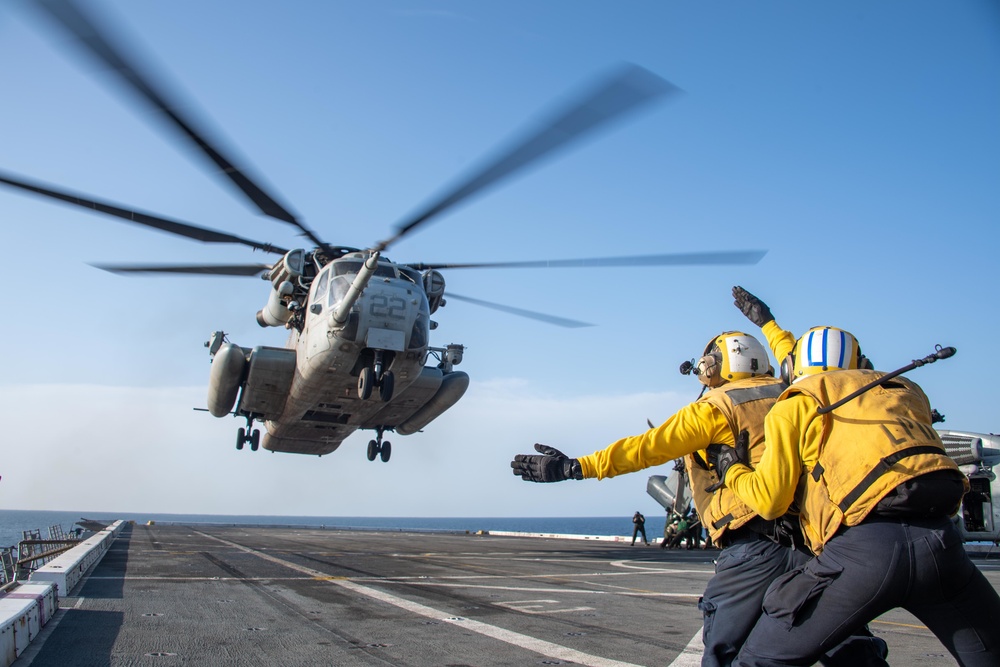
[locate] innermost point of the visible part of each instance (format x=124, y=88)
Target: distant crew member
x=876, y=492
x=639, y=526
x=734, y=368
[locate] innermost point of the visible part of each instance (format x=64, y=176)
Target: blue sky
x=856, y=142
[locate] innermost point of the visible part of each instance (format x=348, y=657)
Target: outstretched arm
x=692, y=428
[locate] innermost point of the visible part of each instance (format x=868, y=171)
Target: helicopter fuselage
x=355, y=357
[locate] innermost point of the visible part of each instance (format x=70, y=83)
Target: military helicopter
x=359, y=324
x=977, y=454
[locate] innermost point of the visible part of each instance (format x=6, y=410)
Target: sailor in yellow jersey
x=741, y=389
x=875, y=491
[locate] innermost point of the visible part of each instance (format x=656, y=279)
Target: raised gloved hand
x=723, y=457
x=550, y=466
x=755, y=309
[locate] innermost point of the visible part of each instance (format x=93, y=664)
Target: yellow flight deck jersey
x=781, y=342
x=714, y=418
x=837, y=467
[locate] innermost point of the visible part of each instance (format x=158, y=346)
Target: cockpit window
x=342, y=267
x=322, y=283
x=347, y=266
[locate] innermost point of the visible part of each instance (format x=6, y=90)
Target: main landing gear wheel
x=366, y=382
x=372, y=450
x=241, y=437
x=385, y=387
x=254, y=440
x=386, y=451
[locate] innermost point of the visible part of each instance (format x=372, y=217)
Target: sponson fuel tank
x=228, y=367
x=452, y=388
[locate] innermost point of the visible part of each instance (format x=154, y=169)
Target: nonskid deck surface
x=239, y=595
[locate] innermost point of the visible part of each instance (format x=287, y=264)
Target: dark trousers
x=863, y=572
x=639, y=529
x=732, y=602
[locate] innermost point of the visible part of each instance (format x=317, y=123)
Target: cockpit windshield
x=322, y=284
x=348, y=266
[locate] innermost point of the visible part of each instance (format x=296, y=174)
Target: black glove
x=551, y=466
x=723, y=457
x=755, y=309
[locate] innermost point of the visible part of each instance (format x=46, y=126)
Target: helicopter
x=976, y=454
x=358, y=354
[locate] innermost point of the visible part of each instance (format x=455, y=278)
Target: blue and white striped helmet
x=823, y=349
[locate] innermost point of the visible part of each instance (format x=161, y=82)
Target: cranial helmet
x=823, y=349
x=732, y=355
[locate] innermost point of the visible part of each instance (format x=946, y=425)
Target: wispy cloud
x=86, y=448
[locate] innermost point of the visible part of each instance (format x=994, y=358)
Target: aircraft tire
x=386, y=451
x=372, y=450
x=241, y=437
x=386, y=386
x=366, y=380
x=254, y=440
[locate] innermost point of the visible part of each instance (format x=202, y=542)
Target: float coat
x=744, y=409
x=842, y=463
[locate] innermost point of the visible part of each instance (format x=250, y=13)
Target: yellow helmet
x=823, y=349
x=732, y=355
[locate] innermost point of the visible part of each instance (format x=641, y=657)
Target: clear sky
x=857, y=142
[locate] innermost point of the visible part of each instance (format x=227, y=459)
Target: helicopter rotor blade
x=520, y=312
x=675, y=259
x=96, y=40
x=207, y=269
x=626, y=90
x=202, y=234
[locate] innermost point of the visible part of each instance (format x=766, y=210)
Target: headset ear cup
x=865, y=364
x=709, y=369
x=787, y=368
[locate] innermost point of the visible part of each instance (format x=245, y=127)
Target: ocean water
x=13, y=522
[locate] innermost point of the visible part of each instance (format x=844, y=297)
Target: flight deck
x=243, y=595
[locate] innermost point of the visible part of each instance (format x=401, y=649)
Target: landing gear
x=376, y=376
x=248, y=435
x=366, y=381
x=377, y=448
x=385, y=386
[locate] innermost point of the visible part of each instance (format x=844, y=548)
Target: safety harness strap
x=882, y=468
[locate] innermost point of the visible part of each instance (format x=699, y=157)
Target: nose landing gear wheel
x=378, y=448
x=254, y=440
x=241, y=437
